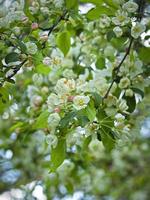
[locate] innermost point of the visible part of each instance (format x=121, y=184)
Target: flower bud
x=34, y=26
x=124, y=82
x=57, y=110
x=70, y=98
x=129, y=93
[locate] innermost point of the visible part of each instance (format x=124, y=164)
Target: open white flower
x=121, y=18
x=37, y=79
x=104, y=21
x=53, y=120
x=36, y=101
x=130, y=6
x=64, y=86
x=31, y=48
x=47, y=61
x=124, y=82
x=129, y=93
x=80, y=102
x=53, y=100
x=52, y=140
x=137, y=29
x=58, y=3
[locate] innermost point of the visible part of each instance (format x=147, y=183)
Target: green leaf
x=110, y=35
x=58, y=154
x=97, y=99
x=10, y=80
x=144, y=54
x=63, y=42
x=12, y=57
x=118, y=43
x=92, y=1
x=27, y=11
x=64, y=122
x=107, y=138
x=71, y=4
x=22, y=46
x=100, y=63
x=103, y=119
x=41, y=121
x=37, y=58
x=101, y=115
x=90, y=111
x=131, y=102
x=4, y=98
x=95, y=13
x=86, y=142
x=111, y=4
x=82, y=117
x=43, y=69
x=15, y=126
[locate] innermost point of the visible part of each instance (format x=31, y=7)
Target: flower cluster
x=79, y=83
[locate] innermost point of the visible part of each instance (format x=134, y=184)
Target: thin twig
x=117, y=69
x=50, y=29
x=16, y=69
x=55, y=24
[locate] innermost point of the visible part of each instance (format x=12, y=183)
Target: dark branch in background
x=118, y=67
x=55, y=24
x=15, y=70
x=141, y=4
x=50, y=29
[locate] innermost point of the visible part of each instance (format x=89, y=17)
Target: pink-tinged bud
x=70, y=98
x=34, y=26
x=57, y=110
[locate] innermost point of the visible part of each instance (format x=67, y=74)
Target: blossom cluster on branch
x=77, y=77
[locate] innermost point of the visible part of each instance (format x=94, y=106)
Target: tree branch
x=50, y=29
x=15, y=70
x=117, y=69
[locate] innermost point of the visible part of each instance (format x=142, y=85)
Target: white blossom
x=104, y=21
x=37, y=79
x=53, y=120
x=130, y=6
x=65, y=86
x=121, y=18
x=31, y=48
x=80, y=101
x=53, y=100
x=58, y=3
x=137, y=29
x=52, y=140
x=36, y=100
x=68, y=73
x=47, y=61
x=124, y=82
x=129, y=93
